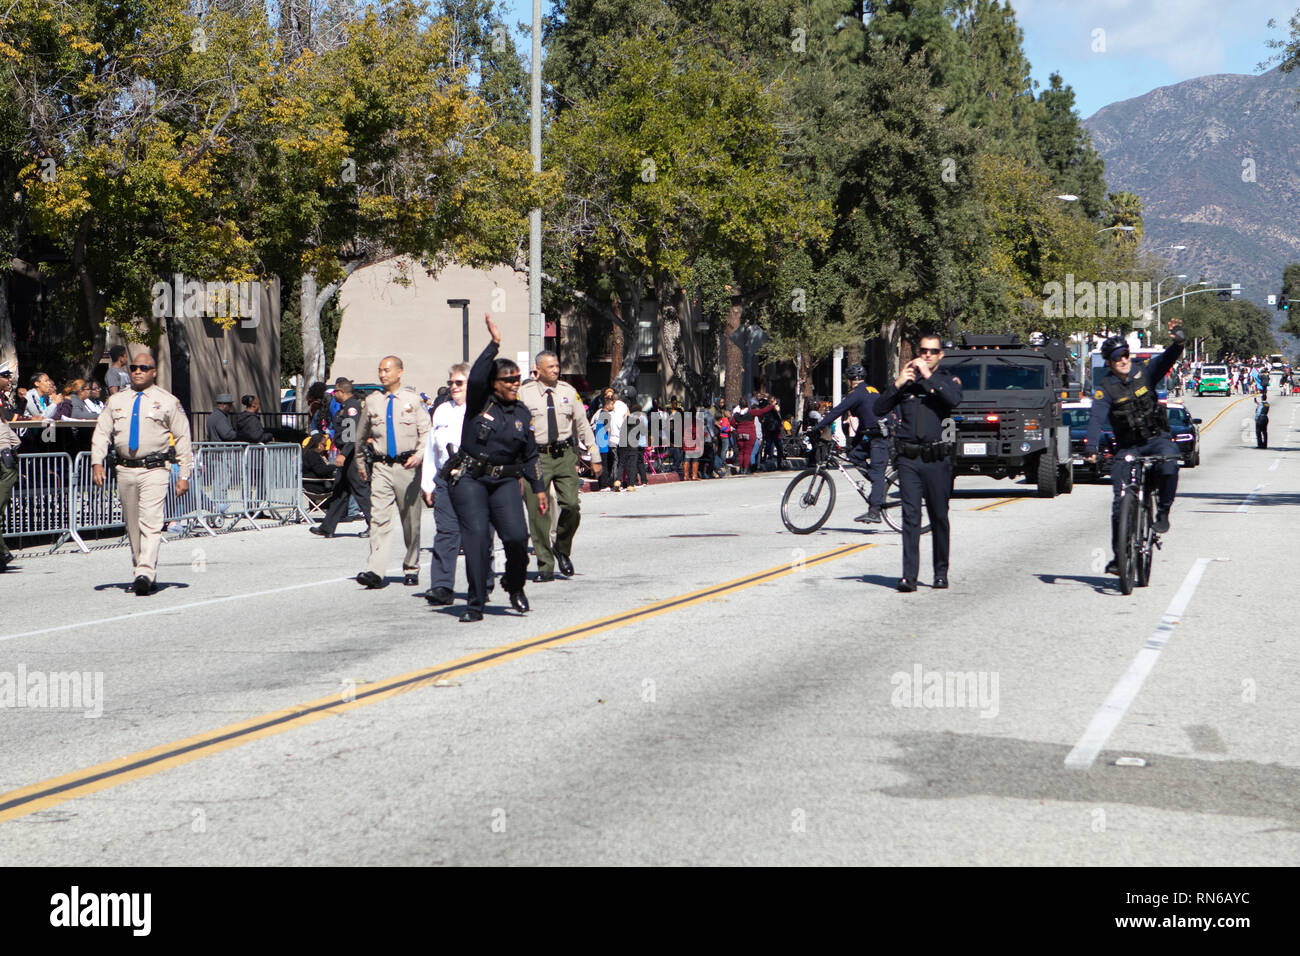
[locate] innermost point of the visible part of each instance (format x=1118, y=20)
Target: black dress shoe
x=142, y=586
x=364, y=534
x=1112, y=567
x=519, y=601
x=940, y=584
x=1162, y=522
x=906, y=585
x=564, y=564
x=546, y=575
x=411, y=580
x=442, y=596
x=323, y=534
x=370, y=580
x=470, y=616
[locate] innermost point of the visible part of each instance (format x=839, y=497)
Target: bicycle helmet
x=855, y=372
x=1113, y=347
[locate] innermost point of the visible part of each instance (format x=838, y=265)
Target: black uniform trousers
x=1261, y=432
x=872, y=457
x=481, y=505
x=1166, y=483
x=347, y=483
x=933, y=480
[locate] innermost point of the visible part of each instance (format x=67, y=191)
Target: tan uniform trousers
x=389, y=485
x=143, y=492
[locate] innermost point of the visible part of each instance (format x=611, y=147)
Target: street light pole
x=535, y=327
x=1159, y=300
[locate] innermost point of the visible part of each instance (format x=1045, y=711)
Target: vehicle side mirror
x=1196, y=421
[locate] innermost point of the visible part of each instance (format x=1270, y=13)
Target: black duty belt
x=556, y=449
x=926, y=451
x=150, y=461
x=482, y=468
x=399, y=459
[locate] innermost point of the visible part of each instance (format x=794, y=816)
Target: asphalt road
x=708, y=689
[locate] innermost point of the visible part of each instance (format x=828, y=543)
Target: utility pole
x=535, y=319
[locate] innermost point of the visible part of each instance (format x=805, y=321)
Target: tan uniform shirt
x=8, y=437
x=410, y=422
x=161, y=420
x=570, y=419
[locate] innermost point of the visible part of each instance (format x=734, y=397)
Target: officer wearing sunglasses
x=497, y=448
x=924, y=397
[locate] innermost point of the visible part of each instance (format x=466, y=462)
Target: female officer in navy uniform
x=496, y=450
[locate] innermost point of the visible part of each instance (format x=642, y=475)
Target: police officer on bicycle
x=871, y=440
x=1127, y=396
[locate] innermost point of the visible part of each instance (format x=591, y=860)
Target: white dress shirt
x=444, y=435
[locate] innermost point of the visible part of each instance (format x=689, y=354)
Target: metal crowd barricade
x=40, y=501
x=221, y=483
x=93, y=509
x=275, y=473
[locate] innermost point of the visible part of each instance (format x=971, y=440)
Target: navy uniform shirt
x=860, y=404
x=1141, y=376
x=345, y=425
x=501, y=432
x=922, y=406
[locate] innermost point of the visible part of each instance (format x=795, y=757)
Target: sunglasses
x=140, y=368
x=459, y=381
x=930, y=351
x=507, y=378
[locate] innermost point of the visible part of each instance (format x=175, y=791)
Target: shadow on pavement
x=1102, y=585
x=950, y=766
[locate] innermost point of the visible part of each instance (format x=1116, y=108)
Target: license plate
x=1078, y=461
x=974, y=448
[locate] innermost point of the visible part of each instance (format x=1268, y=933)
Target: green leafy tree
x=1066, y=149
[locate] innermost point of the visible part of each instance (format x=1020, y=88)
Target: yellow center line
x=1223, y=411
x=996, y=504
x=79, y=783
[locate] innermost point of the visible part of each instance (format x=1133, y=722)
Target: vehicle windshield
x=1178, y=418
x=968, y=373
x=1076, y=417
x=1000, y=377
x=1214, y=370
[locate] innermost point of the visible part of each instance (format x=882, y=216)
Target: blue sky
x=1147, y=43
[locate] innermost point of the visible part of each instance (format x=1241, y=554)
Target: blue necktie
x=134, y=442
x=392, y=438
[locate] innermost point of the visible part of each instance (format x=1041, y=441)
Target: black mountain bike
x=810, y=496
x=1138, y=540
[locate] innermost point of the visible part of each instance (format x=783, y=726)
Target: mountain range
x=1216, y=161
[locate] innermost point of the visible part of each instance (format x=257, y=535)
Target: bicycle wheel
x=1146, y=542
x=808, y=501
x=892, y=509
x=1126, y=557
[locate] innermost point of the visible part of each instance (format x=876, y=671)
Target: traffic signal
x=1142, y=339
x=1282, y=303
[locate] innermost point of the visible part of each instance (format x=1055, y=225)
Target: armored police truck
x=1009, y=422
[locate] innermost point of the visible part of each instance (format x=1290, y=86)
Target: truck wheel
x=1065, y=478
x=1047, y=473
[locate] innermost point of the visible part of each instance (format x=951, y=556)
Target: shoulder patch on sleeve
x=1099, y=394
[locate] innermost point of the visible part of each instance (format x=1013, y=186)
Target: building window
x=645, y=340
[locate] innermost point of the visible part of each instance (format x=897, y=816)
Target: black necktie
x=552, y=427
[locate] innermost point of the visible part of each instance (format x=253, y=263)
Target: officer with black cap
x=497, y=448
x=870, y=442
x=925, y=398
x=1126, y=395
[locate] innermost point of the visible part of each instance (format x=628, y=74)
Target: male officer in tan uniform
x=141, y=422
x=392, y=430
x=558, y=418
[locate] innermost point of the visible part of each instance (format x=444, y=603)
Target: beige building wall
x=414, y=322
